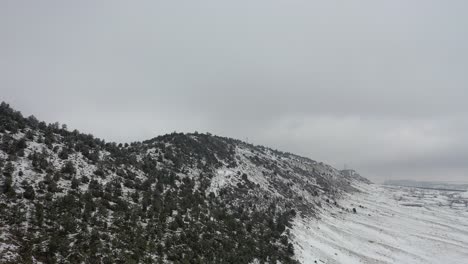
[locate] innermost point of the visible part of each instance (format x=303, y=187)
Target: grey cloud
x=380, y=86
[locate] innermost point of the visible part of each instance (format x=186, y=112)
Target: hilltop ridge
x=68, y=197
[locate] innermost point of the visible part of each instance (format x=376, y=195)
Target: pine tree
x=69, y=168
x=75, y=183
x=29, y=193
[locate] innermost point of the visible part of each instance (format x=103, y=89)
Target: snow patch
x=384, y=231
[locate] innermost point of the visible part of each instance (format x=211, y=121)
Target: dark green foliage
x=84, y=179
x=8, y=169
x=52, y=187
x=7, y=187
x=69, y=168
x=21, y=144
x=135, y=207
x=63, y=154
x=75, y=183
x=29, y=193
x=39, y=161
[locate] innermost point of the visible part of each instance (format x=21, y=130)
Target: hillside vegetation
x=68, y=197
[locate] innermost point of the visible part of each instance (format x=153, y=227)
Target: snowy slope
x=392, y=225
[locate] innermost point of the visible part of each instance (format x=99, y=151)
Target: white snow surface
x=392, y=225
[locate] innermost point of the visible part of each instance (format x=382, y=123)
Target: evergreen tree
x=29, y=193
x=69, y=168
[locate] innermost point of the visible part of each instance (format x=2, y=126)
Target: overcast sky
x=381, y=86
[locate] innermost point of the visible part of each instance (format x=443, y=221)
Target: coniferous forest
x=68, y=197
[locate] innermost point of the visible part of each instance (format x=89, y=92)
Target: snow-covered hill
x=67, y=197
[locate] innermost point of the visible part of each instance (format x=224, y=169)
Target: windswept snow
x=464, y=195
x=392, y=225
